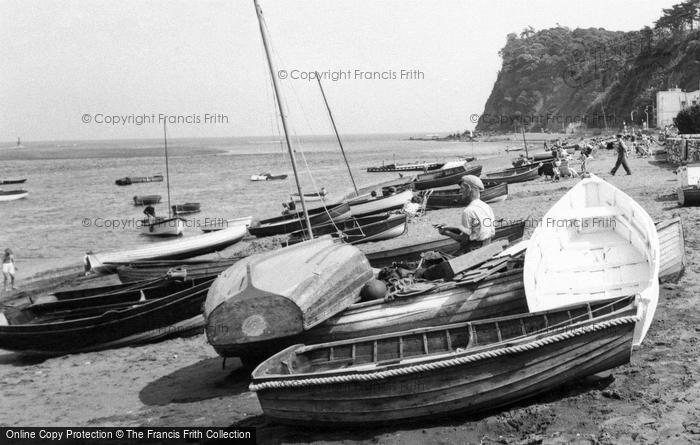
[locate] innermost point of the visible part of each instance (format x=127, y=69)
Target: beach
x=180, y=382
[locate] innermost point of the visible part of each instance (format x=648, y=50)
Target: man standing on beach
x=621, y=157
x=478, y=220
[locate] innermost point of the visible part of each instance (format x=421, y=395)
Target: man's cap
x=472, y=180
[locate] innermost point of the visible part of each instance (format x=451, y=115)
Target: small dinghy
x=274, y=295
x=12, y=181
x=447, y=175
x=186, y=208
x=138, y=179
x=595, y=243
x=443, y=198
x=513, y=175
x=146, y=200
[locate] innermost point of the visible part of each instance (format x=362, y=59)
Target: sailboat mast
x=335, y=129
x=524, y=142
x=167, y=170
x=258, y=11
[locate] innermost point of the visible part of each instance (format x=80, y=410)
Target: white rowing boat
x=595, y=243
x=177, y=249
x=12, y=195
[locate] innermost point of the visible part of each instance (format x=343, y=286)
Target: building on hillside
x=669, y=103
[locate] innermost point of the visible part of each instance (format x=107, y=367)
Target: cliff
x=590, y=77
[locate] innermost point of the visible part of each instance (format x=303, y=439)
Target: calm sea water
x=73, y=198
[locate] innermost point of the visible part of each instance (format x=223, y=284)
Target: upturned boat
x=186, y=247
x=271, y=296
x=595, y=243
x=446, y=176
x=467, y=367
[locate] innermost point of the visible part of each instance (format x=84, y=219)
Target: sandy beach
x=180, y=382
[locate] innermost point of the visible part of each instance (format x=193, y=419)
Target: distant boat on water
x=267, y=177
x=12, y=195
x=12, y=181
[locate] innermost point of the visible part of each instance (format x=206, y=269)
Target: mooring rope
x=441, y=364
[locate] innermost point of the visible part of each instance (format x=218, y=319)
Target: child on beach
x=8, y=270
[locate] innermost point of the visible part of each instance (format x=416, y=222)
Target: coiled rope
x=441, y=364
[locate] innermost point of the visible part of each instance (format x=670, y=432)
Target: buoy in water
x=373, y=290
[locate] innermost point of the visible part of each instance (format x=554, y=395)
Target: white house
x=669, y=103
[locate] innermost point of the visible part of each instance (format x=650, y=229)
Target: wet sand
x=180, y=382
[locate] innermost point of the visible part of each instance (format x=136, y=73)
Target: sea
x=74, y=204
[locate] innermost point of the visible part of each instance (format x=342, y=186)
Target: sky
x=93, y=69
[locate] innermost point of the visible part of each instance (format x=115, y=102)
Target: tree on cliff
x=688, y=120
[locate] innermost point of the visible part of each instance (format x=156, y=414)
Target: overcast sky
x=61, y=60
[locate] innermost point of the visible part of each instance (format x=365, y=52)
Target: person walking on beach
x=8, y=270
x=621, y=157
x=478, y=221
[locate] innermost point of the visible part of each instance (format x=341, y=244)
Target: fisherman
x=621, y=156
x=478, y=221
x=8, y=270
x=150, y=213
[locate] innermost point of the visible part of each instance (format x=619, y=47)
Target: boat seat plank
x=593, y=212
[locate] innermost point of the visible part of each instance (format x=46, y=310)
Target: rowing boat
x=375, y=227
x=12, y=195
x=382, y=258
x=274, y=295
x=285, y=224
x=467, y=367
x=512, y=175
x=267, y=177
x=448, y=197
x=186, y=208
x=12, y=181
x=104, y=321
x=418, y=166
x=595, y=243
x=149, y=270
x=446, y=176
x=185, y=247
x=162, y=226
x=146, y=200
x=368, y=205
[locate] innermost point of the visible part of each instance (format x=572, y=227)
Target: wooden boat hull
x=357, y=230
x=594, y=243
x=672, y=249
x=406, y=167
x=138, y=179
x=511, y=177
x=442, y=178
x=366, y=206
x=147, y=200
x=13, y=195
x=511, y=232
x=407, y=381
x=218, y=224
x=689, y=196
x=282, y=225
x=186, y=209
x=92, y=323
x=186, y=247
x=282, y=293
x=152, y=270
x=163, y=227
x=12, y=181
x=452, y=197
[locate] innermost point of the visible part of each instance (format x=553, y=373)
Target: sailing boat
x=159, y=226
x=19, y=143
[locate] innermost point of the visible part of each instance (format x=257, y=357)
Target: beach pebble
x=611, y=394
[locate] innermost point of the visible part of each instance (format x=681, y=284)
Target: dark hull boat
x=452, y=197
x=285, y=224
x=150, y=270
x=511, y=232
x=512, y=175
x=445, y=177
x=689, y=196
x=12, y=195
x=358, y=230
x=104, y=321
x=147, y=200
x=138, y=179
x=269, y=297
x=12, y=181
x=186, y=208
x=466, y=367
